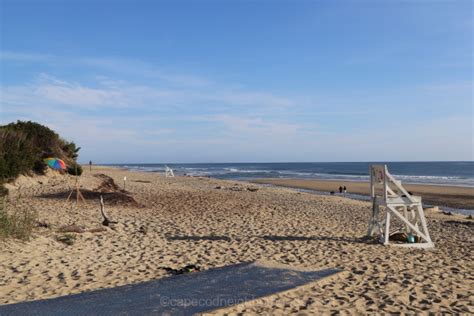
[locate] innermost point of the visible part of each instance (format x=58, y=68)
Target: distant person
x=340, y=189
x=90, y=165
x=345, y=189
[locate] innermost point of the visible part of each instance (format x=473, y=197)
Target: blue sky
x=243, y=81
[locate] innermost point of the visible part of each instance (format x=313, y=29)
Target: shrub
x=71, y=150
x=40, y=167
x=75, y=170
x=24, y=145
x=16, y=154
x=17, y=219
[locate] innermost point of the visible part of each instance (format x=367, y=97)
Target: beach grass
x=17, y=219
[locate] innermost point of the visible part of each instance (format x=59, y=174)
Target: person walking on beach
x=345, y=190
x=90, y=165
x=340, y=189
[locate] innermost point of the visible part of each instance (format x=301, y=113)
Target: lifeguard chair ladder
x=399, y=203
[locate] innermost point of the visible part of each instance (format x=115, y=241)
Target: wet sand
x=451, y=196
x=174, y=222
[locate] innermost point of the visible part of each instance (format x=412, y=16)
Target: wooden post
x=387, y=228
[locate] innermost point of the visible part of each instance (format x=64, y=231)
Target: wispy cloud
x=47, y=90
x=6, y=56
x=116, y=110
x=121, y=66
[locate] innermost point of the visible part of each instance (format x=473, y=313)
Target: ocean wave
x=348, y=173
x=259, y=171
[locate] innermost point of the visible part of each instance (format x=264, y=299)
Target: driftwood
x=79, y=229
x=106, y=221
x=187, y=269
x=71, y=229
x=97, y=230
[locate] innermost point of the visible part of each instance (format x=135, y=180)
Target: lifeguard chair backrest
x=378, y=173
x=378, y=176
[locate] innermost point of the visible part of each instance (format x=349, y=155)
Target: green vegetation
x=75, y=170
x=16, y=219
x=24, y=145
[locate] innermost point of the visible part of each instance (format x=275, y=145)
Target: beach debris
x=403, y=237
x=106, y=221
x=71, y=229
x=187, y=269
x=142, y=230
x=447, y=213
x=252, y=189
x=107, y=185
x=79, y=229
x=332, y=192
x=218, y=187
x=67, y=239
x=111, y=192
x=42, y=224
x=97, y=230
x=469, y=217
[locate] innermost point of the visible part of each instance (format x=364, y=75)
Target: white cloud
x=48, y=91
x=25, y=57
x=78, y=95
x=193, y=119
x=252, y=98
x=121, y=66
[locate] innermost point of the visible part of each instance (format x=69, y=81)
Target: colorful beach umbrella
x=55, y=163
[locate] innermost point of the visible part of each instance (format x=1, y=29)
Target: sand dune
x=212, y=223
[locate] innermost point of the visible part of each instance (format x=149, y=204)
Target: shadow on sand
x=358, y=240
x=110, y=198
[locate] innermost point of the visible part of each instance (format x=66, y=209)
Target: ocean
x=457, y=173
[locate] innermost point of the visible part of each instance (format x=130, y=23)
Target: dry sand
x=173, y=222
x=451, y=196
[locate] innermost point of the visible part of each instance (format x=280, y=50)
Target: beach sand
x=173, y=222
x=451, y=196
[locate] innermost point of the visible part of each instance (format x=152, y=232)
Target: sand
x=173, y=222
x=451, y=196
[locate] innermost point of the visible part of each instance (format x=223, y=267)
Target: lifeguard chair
x=388, y=192
x=169, y=172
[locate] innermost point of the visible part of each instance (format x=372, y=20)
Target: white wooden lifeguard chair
x=388, y=192
x=169, y=172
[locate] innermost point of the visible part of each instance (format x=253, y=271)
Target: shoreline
x=453, y=197
x=456, y=197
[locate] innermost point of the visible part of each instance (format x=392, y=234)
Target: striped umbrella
x=55, y=163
